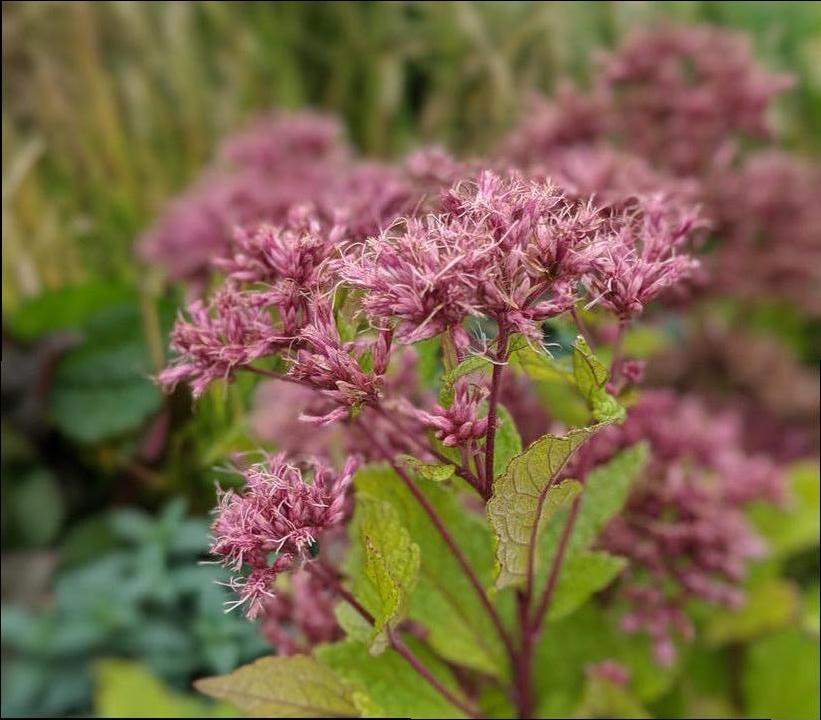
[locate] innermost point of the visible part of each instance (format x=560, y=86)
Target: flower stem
x=328, y=575
x=430, y=511
x=463, y=471
x=399, y=645
x=495, y=386
x=556, y=567
x=524, y=660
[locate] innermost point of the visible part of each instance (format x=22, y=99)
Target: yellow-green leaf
x=391, y=566
x=436, y=472
x=467, y=366
x=770, y=604
x=297, y=686
x=125, y=688
x=591, y=378
x=604, y=698
x=584, y=574
x=444, y=601
x=386, y=686
x=524, y=498
x=508, y=441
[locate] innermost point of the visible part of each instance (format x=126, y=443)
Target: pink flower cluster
x=334, y=265
x=302, y=616
x=514, y=250
x=275, y=523
x=683, y=529
x=671, y=112
x=281, y=162
x=682, y=95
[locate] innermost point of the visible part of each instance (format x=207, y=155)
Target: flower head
x=683, y=528
x=281, y=513
x=335, y=368
x=219, y=338
x=681, y=95
x=461, y=423
x=504, y=248
x=643, y=256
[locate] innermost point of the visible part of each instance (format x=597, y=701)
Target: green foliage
x=591, y=377
x=508, y=442
x=797, y=526
x=444, y=600
x=524, y=499
x=583, y=575
x=145, y=598
x=770, y=605
x=390, y=566
x=386, y=686
x=437, y=472
x=102, y=387
x=469, y=365
x=781, y=676
x=605, y=492
x=605, y=698
x=591, y=635
x=37, y=495
x=568, y=384
x=66, y=308
x=127, y=689
x=297, y=686
x=430, y=362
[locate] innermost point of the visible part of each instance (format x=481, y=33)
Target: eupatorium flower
x=259, y=175
x=768, y=219
x=643, y=258
x=505, y=248
x=218, y=338
x=461, y=423
x=683, y=529
x=326, y=363
x=680, y=95
x=275, y=522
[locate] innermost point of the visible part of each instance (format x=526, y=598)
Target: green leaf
x=468, y=365
x=66, y=308
x=436, y=472
x=127, y=689
x=352, y=622
x=604, y=698
x=297, y=686
x=391, y=566
x=103, y=388
x=770, y=605
x=508, y=441
x=583, y=575
x=444, y=600
x=590, y=635
x=781, y=676
x=541, y=366
x=524, y=499
x=591, y=378
x=387, y=686
x=605, y=492
x=38, y=507
x=796, y=526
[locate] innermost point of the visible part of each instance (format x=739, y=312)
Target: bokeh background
x=109, y=110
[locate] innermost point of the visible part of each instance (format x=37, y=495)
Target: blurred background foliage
x=109, y=109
